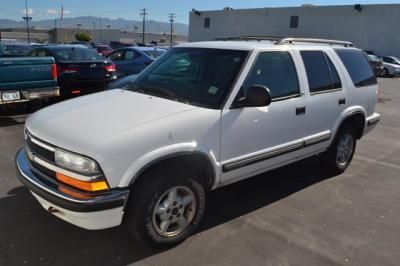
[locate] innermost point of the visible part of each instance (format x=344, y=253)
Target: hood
x=90, y=120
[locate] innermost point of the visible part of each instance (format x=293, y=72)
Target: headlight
x=76, y=163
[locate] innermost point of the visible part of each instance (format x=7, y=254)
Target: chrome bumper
x=33, y=94
x=47, y=189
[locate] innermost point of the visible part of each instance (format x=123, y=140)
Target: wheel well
x=356, y=120
x=195, y=162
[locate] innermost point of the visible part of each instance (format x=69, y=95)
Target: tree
x=83, y=37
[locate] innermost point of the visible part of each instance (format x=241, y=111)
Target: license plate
x=11, y=96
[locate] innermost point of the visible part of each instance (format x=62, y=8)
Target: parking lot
x=295, y=215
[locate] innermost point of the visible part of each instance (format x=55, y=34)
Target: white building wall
x=374, y=28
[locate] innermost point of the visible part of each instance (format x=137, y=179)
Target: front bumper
x=34, y=94
x=103, y=211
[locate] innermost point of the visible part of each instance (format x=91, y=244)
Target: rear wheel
x=166, y=208
x=340, y=154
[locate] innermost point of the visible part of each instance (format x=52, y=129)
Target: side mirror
x=257, y=96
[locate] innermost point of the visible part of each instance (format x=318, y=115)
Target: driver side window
x=276, y=71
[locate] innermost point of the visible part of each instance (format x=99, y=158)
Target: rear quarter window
x=358, y=67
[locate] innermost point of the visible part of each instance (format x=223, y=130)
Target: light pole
x=144, y=13
x=101, y=34
x=172, y=20
x=94, y=30
x=27, y=18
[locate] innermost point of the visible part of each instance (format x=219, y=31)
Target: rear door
x=327, y=96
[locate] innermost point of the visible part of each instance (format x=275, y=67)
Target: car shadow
x=30, y=235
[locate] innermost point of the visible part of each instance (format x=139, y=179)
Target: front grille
x=43, y=170
x=40, y=151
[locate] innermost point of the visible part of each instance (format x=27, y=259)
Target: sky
x=130, y=9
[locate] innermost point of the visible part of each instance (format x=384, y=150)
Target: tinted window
x=207, y=23
x=16, y=49
x=318, y=72
x=358, y=67
x=154, y=54
x=336, y=83
x=76, y=53
x=130, y=55
x=276, y=71
x=196, y=76
x=116, y=56
x=294, y=21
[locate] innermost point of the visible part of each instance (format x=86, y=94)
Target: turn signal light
x=83, y=185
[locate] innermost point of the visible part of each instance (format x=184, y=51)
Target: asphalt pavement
x=296, y=215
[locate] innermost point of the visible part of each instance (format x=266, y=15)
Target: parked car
x=391, y=66
x=80, y=70
x=132, y=60
x=203, y=116
x=24, y=79
x=377, y=65
x=104, y=49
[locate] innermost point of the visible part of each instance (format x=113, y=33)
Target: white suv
x=203, y=116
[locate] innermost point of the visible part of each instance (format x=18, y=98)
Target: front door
x=255, y=139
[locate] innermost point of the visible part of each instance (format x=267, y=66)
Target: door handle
x=301, y=110
x=342, y=101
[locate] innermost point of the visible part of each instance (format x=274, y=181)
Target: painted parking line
x=375, y=161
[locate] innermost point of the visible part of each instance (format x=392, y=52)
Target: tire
x=146, y=225
x=385, y=72
x=339, y=155
x=34, y=106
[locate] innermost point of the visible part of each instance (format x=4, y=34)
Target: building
x=370, y=27
x=60, y=35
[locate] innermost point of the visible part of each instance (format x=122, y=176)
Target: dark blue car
x=132, y=60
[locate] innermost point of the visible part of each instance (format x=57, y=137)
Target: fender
x=155, y=156
x=346, y=114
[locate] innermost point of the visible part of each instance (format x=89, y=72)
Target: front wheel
x=165, y=209
x=340, y=154
x=385, y=72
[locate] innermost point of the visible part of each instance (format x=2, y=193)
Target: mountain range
x=87, y=23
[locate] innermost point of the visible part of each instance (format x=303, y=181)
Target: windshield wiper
x=152, y=90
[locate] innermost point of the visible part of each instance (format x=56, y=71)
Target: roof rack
x=310, y=40
x=251, y=38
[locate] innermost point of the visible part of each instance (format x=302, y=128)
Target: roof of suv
x=232, y=45
x=249, y=45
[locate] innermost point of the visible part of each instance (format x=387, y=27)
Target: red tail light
x=54, y=72
x=67, y=70
x=111, y=68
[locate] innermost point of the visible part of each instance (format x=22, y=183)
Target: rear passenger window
x=276, y=71
x=336, y=83
x=321, y=73
x=357, y=66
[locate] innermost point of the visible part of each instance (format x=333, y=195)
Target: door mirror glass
x=257, y=96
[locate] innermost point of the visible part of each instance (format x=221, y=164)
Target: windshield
x=76, y=53
x=196, y=76
x=154, y=54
